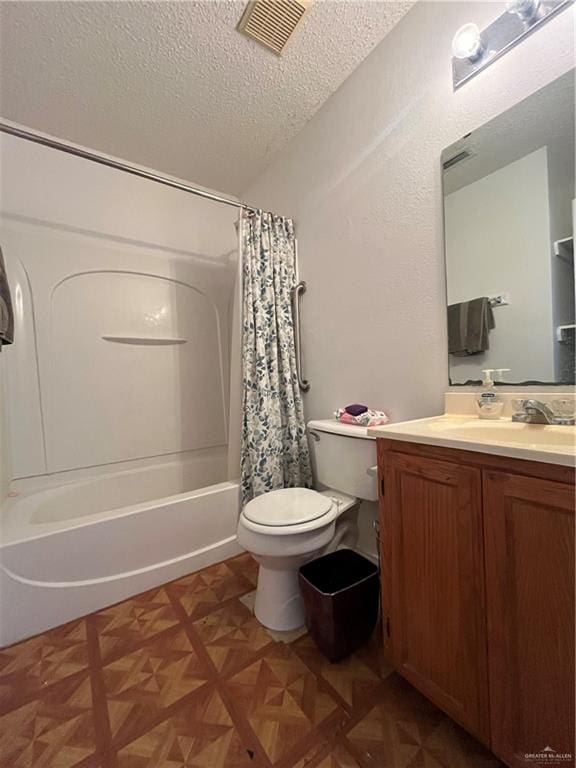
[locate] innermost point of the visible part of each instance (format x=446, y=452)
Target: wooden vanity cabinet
x=478, y=591
x=529, y=555
x=432, y=539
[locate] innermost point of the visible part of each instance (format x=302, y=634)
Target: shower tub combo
x=119, y=384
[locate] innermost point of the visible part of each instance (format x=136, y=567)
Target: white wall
x=363, y=183
x=498, y=241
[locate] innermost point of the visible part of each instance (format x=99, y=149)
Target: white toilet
x=286, y=528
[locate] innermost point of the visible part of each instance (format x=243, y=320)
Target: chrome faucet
x=535, y=412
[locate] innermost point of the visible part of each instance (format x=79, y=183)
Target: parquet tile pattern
x=206, y=590
x=26, y=668
x=231, y=635
x=127, y=624
x=183, y=676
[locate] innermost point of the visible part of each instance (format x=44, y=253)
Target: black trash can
x=340, y=592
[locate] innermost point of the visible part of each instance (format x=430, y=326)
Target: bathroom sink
x=535, y=442
x=507, y=432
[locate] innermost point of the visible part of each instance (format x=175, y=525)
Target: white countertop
x=532, y=442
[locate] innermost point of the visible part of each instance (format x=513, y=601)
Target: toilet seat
x=338, y=503
x=287, y=507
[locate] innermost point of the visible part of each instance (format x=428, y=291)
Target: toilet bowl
x=283, y=529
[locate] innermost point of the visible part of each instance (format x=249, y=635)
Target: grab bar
x=152, y=340
x=298, y=289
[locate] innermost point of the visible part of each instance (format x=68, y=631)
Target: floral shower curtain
x=274, y=445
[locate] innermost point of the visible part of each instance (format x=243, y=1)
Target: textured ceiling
x=173, y=85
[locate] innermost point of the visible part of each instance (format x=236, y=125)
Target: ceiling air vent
x=272, y=22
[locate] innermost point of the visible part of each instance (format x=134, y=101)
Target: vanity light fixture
x=467, y=43
x=473, y=49
x=527, y=10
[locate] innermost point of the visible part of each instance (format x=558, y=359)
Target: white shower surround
x=117, y=387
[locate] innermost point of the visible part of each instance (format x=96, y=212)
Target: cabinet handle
x=382, y=488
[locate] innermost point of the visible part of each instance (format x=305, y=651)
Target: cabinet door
x=433, y=583
x=529, y=541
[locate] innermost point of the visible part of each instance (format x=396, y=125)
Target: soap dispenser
x=489, y=403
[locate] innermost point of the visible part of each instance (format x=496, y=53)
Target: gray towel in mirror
x=469, y=324
x=6, y=312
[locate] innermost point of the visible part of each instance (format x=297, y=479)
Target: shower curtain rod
x=71, y=149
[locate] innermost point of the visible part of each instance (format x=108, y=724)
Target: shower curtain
x=274, y=445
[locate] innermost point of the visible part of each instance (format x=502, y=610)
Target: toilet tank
x=341, y=457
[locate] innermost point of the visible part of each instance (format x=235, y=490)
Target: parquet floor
x=184, y=677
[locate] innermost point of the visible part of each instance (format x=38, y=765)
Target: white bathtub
x=72, y=549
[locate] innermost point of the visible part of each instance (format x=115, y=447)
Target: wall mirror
x=509, y=213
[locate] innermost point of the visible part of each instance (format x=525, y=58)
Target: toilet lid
x=288, y=506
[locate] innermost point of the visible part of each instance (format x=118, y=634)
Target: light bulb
x=467, y=43
x=524, y=9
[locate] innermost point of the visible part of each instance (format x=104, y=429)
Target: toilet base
x=278, y=603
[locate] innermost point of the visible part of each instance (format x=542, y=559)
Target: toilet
x=284, y=529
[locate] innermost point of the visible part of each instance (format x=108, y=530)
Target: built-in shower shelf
x=149, y=340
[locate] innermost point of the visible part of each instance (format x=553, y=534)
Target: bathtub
x=72, y=549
